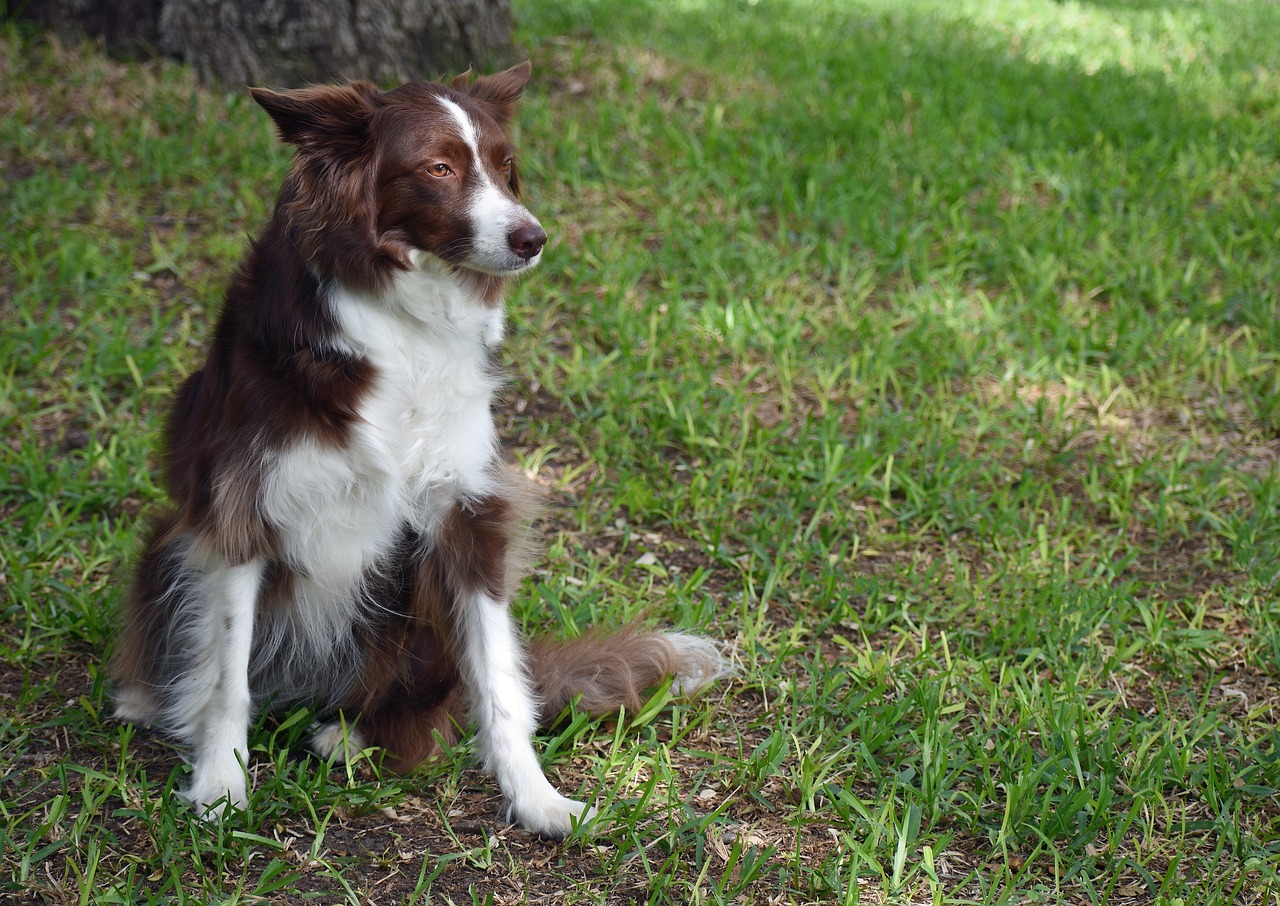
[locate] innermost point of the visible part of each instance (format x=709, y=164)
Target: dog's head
x=382, y=178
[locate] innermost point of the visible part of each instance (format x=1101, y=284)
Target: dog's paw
x=136, y=704
x=551, y=815
x=337, y=741
x=214, y=790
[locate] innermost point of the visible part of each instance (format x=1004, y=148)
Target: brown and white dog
x=344, y=533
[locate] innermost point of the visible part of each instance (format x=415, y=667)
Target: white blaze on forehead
x=494, y=213
x=465, y=126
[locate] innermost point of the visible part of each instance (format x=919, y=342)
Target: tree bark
x=286, y=43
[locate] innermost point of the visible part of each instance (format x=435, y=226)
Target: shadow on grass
x=1078, y=155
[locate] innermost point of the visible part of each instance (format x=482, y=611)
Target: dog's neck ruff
x=433, y=300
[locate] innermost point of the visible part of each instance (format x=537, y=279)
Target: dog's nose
x=526, y=241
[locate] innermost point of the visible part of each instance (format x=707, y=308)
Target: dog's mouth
x=503, y=251
x=508, y=268
x=489, y=258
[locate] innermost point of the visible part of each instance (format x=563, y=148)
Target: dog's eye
x=506, y=166
x=440, y=169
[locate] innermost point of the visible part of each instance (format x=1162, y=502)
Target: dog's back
x=343, y=530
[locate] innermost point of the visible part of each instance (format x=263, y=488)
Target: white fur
x=212, y=704
x=701, y=661
x=427, y=423
x=503, y=709
x=466, y=128
x=338, y=741
x=136, y=705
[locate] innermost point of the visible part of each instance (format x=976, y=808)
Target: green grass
x=927, y=352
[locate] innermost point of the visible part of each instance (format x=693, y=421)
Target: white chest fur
x=424, y=437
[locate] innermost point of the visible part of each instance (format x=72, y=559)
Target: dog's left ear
x=320, y=116
x=498, y=93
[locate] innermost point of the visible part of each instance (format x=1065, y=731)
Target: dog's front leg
x=505, y=715
x=213, y=698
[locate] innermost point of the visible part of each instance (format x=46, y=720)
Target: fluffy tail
x=606, y=672
x=603, y=671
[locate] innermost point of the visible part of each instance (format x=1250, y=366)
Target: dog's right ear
x=499, y=92
x=322, y=115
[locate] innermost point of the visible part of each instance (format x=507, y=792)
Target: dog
x=344, y=533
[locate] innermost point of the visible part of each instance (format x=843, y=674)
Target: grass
x=927, y=352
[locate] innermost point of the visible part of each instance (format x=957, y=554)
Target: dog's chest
x=426, y=421
x=423, y=437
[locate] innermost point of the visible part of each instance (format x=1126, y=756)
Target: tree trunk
x=286, y=43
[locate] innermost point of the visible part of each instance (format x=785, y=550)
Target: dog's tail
x=608, y=671
x=408, y=710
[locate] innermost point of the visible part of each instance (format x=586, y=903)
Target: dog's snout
x=527, y=240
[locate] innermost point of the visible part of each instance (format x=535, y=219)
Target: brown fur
x=603, y=671
x=409, y=693
x=409, y=690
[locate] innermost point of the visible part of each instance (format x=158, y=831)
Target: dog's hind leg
x=139, y=667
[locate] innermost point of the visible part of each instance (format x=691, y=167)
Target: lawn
x=928, y=353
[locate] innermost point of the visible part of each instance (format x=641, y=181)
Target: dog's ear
x=322, y=115
x=498, y=93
